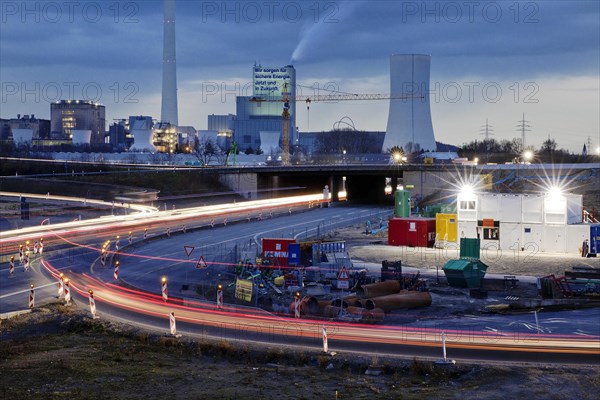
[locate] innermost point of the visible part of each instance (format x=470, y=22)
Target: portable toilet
x=402, y=203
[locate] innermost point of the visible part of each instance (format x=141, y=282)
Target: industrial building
x=271, y=85
x=28, y=129
x=79, y=121
x=165, y=137
x=119, y=135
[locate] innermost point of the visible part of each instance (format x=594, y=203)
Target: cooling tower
x=22, y=135
x=269, y=141
x=141, y=130
x=168, y=111
x=409, y=121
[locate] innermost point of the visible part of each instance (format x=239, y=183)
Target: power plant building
x=253, y=117
x=67, y=116
x=409, y=122
x=29, y=129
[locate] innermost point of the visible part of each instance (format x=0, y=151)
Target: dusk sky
x=494, y=60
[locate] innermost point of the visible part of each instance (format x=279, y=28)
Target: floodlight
x=467, y=190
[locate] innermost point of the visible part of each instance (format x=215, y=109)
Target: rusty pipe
x=404, y=299
x=378, y=289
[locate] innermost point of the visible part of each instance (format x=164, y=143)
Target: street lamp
x=527, y=156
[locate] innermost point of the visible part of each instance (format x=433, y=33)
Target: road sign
x=343, y=279
x=201, y=263
x=188, y=250
x=343, y=275
x=343, y=284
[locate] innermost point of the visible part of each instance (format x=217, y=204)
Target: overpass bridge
x=366, y=182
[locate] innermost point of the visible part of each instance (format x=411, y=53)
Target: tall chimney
x=168, y=112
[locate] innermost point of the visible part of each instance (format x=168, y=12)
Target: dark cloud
x=341, y=41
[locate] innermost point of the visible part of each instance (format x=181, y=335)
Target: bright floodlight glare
x=528, y=155
x=555, y=192
x=397, y=156
x=466, y=190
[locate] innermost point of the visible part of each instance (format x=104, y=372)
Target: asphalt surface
x=145, y=262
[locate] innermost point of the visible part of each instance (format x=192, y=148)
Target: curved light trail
x=197, y=315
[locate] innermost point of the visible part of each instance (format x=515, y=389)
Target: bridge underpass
x=363, y=183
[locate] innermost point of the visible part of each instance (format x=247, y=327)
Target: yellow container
x=278, y=281
x=446, y=227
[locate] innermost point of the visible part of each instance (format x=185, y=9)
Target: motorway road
x=143, y=265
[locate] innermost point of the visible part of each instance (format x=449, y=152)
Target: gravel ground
x=58, y=353
x=374, y=249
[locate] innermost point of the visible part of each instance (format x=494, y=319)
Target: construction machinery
x=286, y=99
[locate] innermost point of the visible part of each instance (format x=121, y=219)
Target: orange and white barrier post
x=36, y=247
x=117, y=243
x=67, y=292
x=145, y=234
x=173, y=324
x=297, y=305
x=27, y=246
x=225, y=222
x=164, y=288
x=41, y=250
x=168, y=232
x=130, y=237
x=219, y=296
x=184, y=228
x=31, y=297
x=11, y=267
x=92, y=304
x=61, y=288
x=325, y=345
x=21, y=254
x=26, y=265
x=116, y=273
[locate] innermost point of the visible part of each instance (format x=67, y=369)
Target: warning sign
x=343, y=279
x=188, y=250
x=201, y=263
x=343, y=275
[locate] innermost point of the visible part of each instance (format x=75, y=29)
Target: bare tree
x=207, y=151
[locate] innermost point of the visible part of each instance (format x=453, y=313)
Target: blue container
x=294, y=254
x=595, y=239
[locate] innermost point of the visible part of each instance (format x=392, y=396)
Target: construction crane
x=286, y=99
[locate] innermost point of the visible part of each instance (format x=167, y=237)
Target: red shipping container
x=411, y=231
x=276, y=250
